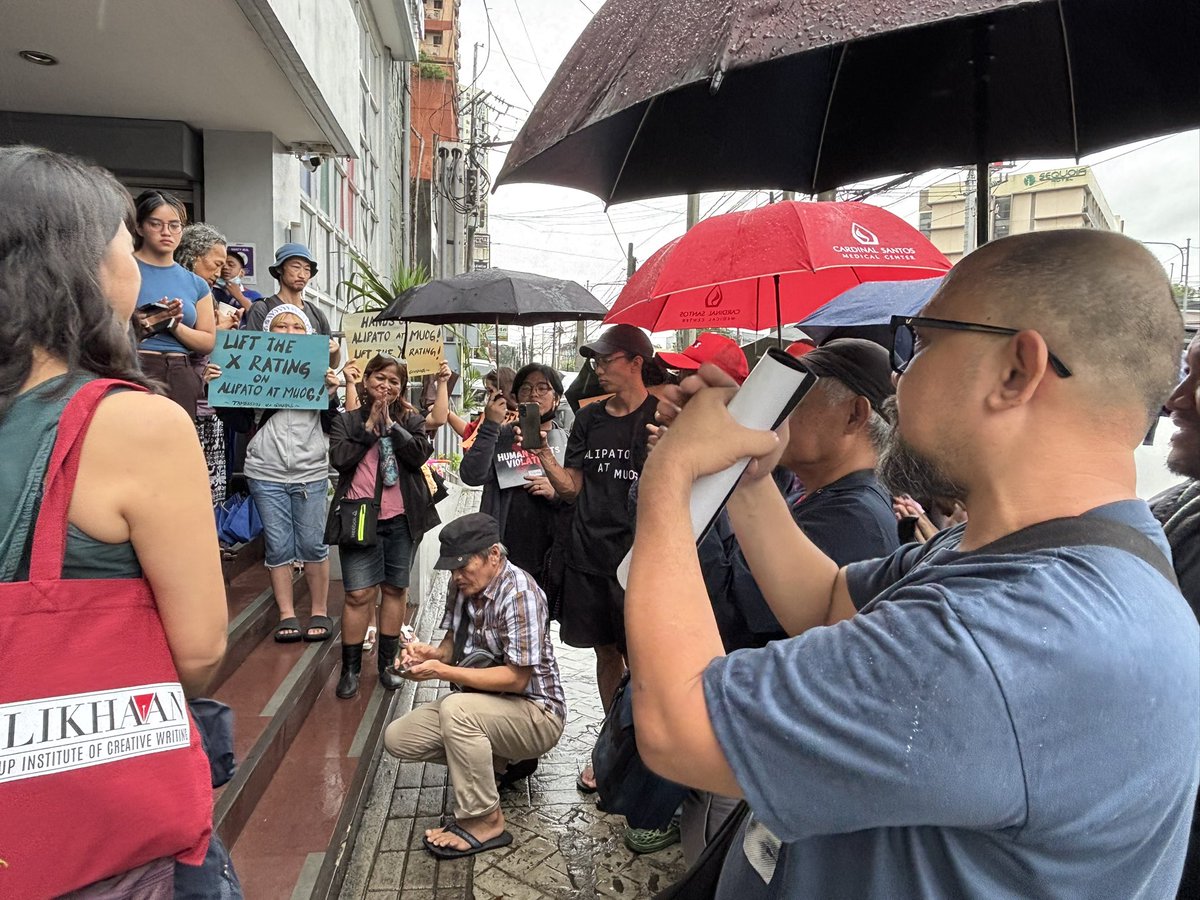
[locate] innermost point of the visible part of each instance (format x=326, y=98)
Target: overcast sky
x=1153, y=185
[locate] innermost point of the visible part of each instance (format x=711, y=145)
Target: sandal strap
x=458, y=831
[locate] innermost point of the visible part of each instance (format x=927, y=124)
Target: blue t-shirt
x=173, y=282
x=848, y=520
x=993, y=725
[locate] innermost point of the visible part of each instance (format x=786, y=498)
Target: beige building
x=1068, y=197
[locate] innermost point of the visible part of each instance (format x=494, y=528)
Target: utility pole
x=472, y=176
x=827, y=196
x=688, y=335
x=630, y=262
x=789, y=196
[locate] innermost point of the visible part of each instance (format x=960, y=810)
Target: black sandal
x=288, y=631
x=323, y=625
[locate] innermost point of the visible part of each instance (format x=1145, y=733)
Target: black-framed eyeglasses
x=603, y=362
x=904, y=339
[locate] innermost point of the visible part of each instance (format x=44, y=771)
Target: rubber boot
x=347, y=686
x=389, y=646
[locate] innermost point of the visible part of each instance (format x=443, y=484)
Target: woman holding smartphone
x=527, y=513
x=174, y=305
x=378, y=449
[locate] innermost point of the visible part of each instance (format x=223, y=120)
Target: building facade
x=1026, y=201
x=252, y=111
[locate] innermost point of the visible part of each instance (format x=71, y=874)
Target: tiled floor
x=563, y=846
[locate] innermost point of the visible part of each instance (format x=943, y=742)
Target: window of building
x=437, y=39
x=926, y=222
x=437, y=7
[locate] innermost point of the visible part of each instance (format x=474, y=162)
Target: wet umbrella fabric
x=873, y=303
x=772, y=265
x=661, y=97
x=495, y=297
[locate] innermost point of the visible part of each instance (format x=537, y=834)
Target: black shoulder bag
x=354, y=523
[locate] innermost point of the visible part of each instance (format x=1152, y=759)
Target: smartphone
x=158, y=306
x=531, y=426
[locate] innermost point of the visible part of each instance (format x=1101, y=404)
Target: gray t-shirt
x=989, y=725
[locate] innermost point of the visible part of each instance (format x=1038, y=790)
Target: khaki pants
x=475, y=735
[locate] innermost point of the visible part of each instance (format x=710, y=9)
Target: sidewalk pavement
x=563, y=847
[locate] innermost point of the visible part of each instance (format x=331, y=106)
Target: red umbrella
x=775, y=264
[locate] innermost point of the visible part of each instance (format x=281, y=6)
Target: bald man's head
x=1101, y=301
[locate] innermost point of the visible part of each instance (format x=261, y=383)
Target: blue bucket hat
x=292, y=251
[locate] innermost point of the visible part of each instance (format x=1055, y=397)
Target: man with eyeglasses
x=1007, y=711
x=294, y=268
x=605, y=454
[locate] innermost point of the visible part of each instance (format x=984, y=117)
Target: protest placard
x=366, y=339
x=513, y=464
x=425, y=350
x=270, y=371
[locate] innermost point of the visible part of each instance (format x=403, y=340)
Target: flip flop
x=291, y=624
x=583, y=787
x=474, y=844
x=323, y=624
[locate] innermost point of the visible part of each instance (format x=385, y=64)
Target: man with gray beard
x=1008, y=711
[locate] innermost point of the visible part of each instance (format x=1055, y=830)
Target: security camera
x=313, y=160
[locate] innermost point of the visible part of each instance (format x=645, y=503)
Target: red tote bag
x=101, y=767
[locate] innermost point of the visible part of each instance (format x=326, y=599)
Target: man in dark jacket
x=1178, y=509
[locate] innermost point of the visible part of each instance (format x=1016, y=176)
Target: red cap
x=712, y=348
x=799, y=348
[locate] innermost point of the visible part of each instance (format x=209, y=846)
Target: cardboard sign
x=418, y=344
x=262, y=370
x=514, y=464
x=425, y=350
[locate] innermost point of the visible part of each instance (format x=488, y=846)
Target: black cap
x=466, y=536
x=238, y=255
x=620, y=338
x=861, y=365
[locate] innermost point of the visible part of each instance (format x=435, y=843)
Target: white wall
x=239, y=196
x=325, y=34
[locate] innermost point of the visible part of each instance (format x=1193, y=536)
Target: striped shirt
x=509, y=619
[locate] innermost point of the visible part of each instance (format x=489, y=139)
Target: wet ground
x=563, y=847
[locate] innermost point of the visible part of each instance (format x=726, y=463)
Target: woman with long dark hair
x=174, y=305
x=68, y=286
x=378, y=451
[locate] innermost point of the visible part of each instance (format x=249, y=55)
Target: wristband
x=174, y=323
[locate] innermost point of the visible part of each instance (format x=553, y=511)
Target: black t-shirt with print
x=610, y=450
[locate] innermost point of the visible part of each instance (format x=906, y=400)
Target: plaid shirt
x=509, y=619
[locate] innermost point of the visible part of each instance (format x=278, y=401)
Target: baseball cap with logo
x=465, y=536
x=620, y=339
x=723, y=352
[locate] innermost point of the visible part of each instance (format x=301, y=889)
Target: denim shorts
x=293, y=517
x=388, y=562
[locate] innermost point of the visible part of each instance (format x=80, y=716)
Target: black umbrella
x=662, y=97
x=495, y=297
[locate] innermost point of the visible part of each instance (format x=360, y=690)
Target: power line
x=537, y=62
x=591, y=12
x=504, y=53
